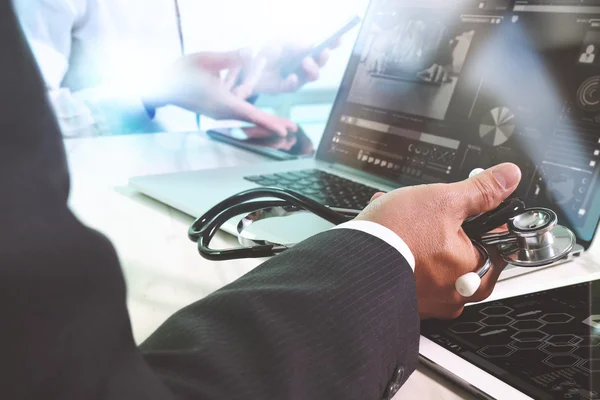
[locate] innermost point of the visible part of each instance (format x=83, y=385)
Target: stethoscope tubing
x=204, y=228
x=286, y=201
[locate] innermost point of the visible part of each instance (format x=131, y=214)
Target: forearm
x=334, y=317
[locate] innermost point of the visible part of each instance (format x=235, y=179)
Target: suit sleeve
x=334, y=318
x=65, y=328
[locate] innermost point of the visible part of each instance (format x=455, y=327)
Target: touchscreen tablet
x=544, y=345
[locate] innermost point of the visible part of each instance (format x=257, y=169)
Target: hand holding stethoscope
x=437, y=224
x=533, y=239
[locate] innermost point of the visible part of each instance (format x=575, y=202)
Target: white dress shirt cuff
x=383, y=233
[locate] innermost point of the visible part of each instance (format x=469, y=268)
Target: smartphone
x=260, y=140
x=294, y=64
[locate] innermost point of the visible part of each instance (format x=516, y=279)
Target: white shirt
x=385, y=234
x=64, y=32
x=125, y=39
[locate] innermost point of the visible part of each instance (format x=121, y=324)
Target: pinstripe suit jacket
x=334, y=318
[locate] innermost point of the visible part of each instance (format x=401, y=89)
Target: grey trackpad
x=288, y=230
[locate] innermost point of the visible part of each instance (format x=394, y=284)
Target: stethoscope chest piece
x=533, y=239
x=537, y=239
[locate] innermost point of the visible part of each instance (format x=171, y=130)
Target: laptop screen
x=437, y=88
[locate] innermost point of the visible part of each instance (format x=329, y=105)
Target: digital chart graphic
x=546, y=344
x=497, y=126
x=588, y=95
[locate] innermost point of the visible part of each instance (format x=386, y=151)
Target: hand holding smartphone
x=294, y=65
x=272, y=76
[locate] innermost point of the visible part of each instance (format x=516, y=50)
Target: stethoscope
x=533, y=237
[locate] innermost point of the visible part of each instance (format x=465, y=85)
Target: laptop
x=516, y=82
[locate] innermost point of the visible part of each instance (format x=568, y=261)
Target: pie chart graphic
x=497, y=126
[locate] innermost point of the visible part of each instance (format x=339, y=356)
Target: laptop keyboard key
x=266, y=182
x=285, y=177
x=328, y=189
x=296, y=175
x=311, y=191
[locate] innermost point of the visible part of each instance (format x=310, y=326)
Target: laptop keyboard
x=325, y=188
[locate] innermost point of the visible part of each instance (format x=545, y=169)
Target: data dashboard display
x=546, y=344
x=437, y=88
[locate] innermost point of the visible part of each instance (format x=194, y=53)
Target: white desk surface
x=162, y=267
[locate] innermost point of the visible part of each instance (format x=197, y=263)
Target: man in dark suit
x=337, y=317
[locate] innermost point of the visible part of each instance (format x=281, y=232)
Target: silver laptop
x=433, y=90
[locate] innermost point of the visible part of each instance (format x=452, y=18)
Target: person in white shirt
x=97, y=88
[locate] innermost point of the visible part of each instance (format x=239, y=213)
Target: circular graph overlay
x=497, y=126
x=588, y=94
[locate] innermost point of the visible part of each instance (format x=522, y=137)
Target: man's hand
x=262, y=75
x=193, y=82
x=429, y=219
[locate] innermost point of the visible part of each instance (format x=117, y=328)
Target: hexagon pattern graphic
x=466, y=327
x=509, y=331
x=558, y=349
x=530, y=336
x=559, y=318
x=532, y=331
x=564, y=339
x=496, y=351
x=585, y=365
x=562, y=361
x=526, y=345
x=495, y=311
x=502, y=321
x=527, y=324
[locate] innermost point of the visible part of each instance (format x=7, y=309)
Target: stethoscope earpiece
x=467, y=285
x=476, y=171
